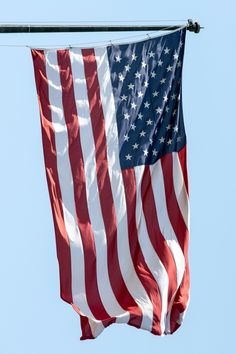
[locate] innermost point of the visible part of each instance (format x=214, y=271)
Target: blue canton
x=146, y=80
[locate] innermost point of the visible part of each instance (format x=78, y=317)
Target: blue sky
x=33, y=318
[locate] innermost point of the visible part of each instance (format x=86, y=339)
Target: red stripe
x=157, y=239
x=49, y=147
x=85, y=326
x=181, y=232
x=104, y=186
x=86, y=330
x=77, y=169
x=140, y=265
x=183, y=162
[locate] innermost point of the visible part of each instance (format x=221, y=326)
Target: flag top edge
x=108, y=43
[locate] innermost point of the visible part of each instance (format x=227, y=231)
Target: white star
x=150, y=141
x=127, y=67
x=146, y=104
x=140, y=94
x=128, y=157
x=146, y=83
x=176, y=128
x=153, y=74
x=160, y=62
x=168, y=127
x=131, y=86
x=169, y=68
x=155, y=94
x=145, y=152
x=174, y=113
x=124, y=98
x=162, y=140
x=126, y=116
x=134, y=57
x=135, y=146
x=118, y=59
x=158, y=110
x=176, y=56
x=173, y=97
x=132, y=126
x=166, y=50
x=144, y=64
x=133, y=105
x=162, y=81
x=154, y=152
x=121, y=77
x=179, y=64
x=167, y=109
x=149, y=121
x=140, y=116
x=142, y=133
x=169, y=141
x=165, y=98
x=126, y=137
x=151, y=54
x=137, y=75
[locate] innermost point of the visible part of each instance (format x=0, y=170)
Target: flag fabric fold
x=115, y=157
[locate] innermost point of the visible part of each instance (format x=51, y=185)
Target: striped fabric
x=121, y=233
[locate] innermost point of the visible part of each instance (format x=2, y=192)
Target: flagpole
x=54, y=28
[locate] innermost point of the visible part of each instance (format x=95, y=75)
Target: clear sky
x=33, y=318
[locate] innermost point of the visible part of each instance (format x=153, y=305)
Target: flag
x=115, y=157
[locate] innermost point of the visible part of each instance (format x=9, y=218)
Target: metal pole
x=49, y=28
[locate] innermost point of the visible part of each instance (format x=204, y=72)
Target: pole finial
x=193, y=26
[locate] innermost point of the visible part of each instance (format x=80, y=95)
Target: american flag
x=115, y=157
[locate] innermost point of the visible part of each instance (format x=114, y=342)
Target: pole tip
x=193, y=26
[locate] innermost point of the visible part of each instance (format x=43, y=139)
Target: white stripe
x=166, y=227
x=164, y=221
x=180, y=189
x=96, y=327
x=88, y=148
x=129, y=275
x=151, y=258
x=66, y=184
